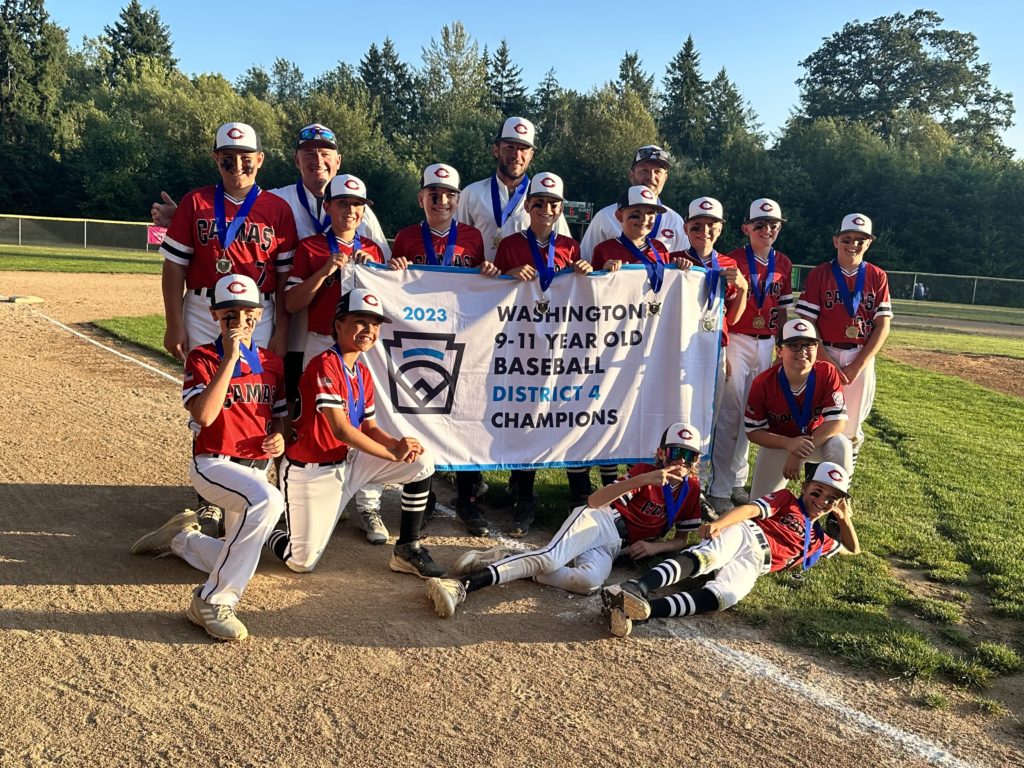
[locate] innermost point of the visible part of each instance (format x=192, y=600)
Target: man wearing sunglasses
x=646, y=512
x=796, y=412
x=776, y=532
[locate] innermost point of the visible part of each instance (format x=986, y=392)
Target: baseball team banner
x=496, y=374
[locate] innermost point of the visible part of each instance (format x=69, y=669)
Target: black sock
x=278, y=543
x=523, y=480
x=474, y=581
x=465, y=486
x=414, y=502
x=609, y=475
x=670, y=571
x=702, y=600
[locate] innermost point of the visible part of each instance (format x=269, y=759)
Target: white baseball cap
x=546, y=184
x=682, y=434
x=705, y=206
x=235, y=291
x=856, y=222
x=798, y=329
x=441, y=176
x=346, y=185
x=237, y=136
x=317, y=134
x=833, y=475
x=360, y=301
x=640, y=195
x=765, y=208
x=654, y=154
x=518, y=130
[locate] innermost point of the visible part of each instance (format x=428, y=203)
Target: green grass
x=146, y=331
x=30, y=258
x=955, y=343
x=933, y=699
x=1008, y=315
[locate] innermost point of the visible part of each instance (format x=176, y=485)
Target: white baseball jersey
x=605, y=226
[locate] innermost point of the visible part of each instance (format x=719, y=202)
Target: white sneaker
x=478, y=559
x=370, y=522
x=219, y=621
x=620, y=625
x=740, y=495
x=446, y=595
x=160, y=539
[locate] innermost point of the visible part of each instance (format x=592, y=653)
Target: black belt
x=841, y=345
x=207, y=293
x=312, y=465
x=765, y=549
x=622, y=529
x=254, y=463
x=758, y=336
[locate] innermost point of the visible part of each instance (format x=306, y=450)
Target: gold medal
x=708, y=323
x=852, y=331
x=223, y=265
x=759, y=322
x=542, y=304
x=497, y=240
x=654, y=307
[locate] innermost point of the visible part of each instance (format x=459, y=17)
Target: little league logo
x=423, y=371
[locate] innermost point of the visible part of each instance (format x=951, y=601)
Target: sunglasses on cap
x=651, y=153
x=313, y=133
x=677, y=452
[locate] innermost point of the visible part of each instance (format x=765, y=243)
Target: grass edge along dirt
x=30, y=258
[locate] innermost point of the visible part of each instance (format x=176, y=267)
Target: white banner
x=494, y=374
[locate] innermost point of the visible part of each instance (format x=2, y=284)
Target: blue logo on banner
x=423, y=371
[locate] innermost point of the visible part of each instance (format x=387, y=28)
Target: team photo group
x=484, y=336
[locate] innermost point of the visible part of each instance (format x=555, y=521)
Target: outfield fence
x=76, y=233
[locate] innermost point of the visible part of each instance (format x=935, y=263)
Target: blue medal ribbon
x=758, y=288
x=429, y=254
x=250, y=354
x=318, y=226
x=657, y=223
x=653, y=264
x=545, y=270
x=501, y=214
x=332, y=243
x=801, y=415
x=673, y=503
x=809, y=560
x=851, y=302
x=356, y=408
x=714, y=273
x=225, y=233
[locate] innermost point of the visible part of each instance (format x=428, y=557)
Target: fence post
x=975, y=293
x=19, y=230
x=85, y=234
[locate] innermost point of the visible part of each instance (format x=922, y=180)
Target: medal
x=496, y=241
x=223, y=265
x=654, y=307
x=759, y=322
x=542, y=304
x=852, y=331
x=708, y=323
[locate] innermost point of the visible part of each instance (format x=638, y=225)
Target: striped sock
x=670, y=572
x=684, y=604
x=414, y=503
x=278, y=543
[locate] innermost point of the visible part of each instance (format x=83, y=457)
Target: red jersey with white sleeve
x=328, y=383
x=614, y=250
x=312, y=253
x=514, y=251
x=252, y=400
x=822, y=303
x=643, y=509
x=783, y=523
x=767, y=407
x=731, y=292
x=262, y=249
x=468, y=250
x=778, y=292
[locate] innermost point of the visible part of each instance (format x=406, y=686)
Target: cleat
x=720, y=504
x=371, y=523
x=478, y=559
x=160, y=539
x=522, y=519
x=620, y=624
x=446, y=595
x=739, y=495
x=414, y=559
x=219, y=621
x=211, y=520
x=473, y=517
x=631, y=597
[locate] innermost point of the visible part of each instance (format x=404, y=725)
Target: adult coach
x=650, y=168
x=495, y=205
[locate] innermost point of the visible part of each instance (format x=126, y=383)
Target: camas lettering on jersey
x=251, y=232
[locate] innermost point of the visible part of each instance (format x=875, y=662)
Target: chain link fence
x=76, y=233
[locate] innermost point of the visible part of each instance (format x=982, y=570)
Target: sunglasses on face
x=772, y=225
x=313, y=133
x=798, y=347
x=830, y=500
x=677, y=452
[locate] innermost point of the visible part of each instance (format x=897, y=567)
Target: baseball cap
x=441, y=176
x=237, y=136
x=798, y=329
x=640, y=195
x=314, y=133
x=360, y=301
x=833, y=475
x=856, y=222
x=765, y=208
x=705, y=206
x=546, y=184
x=518, y=130
x=346, y=185
x=653, y=153
x=681, y=434
x=235, y=291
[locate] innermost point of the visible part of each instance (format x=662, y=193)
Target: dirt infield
x=349, y=664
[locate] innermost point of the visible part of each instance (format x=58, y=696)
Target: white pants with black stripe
x=252, y=506
x=739, y=558
x=588, y=539
x=859, y=395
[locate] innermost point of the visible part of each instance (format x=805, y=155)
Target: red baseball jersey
x=514, y=251
x=782, y=523
x=468, y=251
x=322, y=386
x=822, y=303
x=252, y=400
x=643, y=509
x=313, y=252
x=778, y=293
x=613, y=249
x=263, y=248
x=767, y=407
x=731, y=291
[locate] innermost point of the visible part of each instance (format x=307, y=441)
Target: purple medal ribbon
x=654, y=265
x=250, y=354
x=802, y=416
x=673, y=503
x=225, y=233
x=545, y=271
x=759, y=289
x=428, y=245
x=318, y=226
x=501, y=215
x=356, y=408
x=852, y=303
x=809, y=560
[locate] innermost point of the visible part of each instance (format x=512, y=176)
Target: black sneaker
x=522, y=518
x=473, y=517
x=211, y=520
x=415, y=559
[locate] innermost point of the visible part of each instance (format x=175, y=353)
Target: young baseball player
x=795, y=412
x=637, y=211
x=751, y=342
x=234, y=392
x=849, y=301
x=537, y=253
x=632, y=515
x=773, y=533
x=338, y=448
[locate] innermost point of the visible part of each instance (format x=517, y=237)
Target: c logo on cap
x=521, y=129
x=646, y=194
x=236, y=287
x=836, y=475
x=548, y=182
x=352, y=184
x=767, y=207
x=800, y=326
x=371, y=300
x=859, y=221
x=685, y=434
x=706, y=205
x=441, y=173
x=235, y=133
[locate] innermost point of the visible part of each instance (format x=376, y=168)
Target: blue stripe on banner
x=423, y=351
x=544, y=465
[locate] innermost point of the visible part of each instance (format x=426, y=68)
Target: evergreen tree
x=454, y=79
x=137, y=34
x=505, y=83
x=254, y=82
x=390, y=81
x=684, y=105
x=632, y=78
x=731, y=118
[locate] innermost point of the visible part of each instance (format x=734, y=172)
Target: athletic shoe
x=211, y=520
x=219, y=621
x=160, y=539
x=470, y=514
x=720, y=504
x=707, y=512
x=446, y=595
x=619, y=623
x=480, y=490
x=478, y=559
x=631, y=597
x=371, y=523
x=415, y=559
x=522, y=519
x=740, y=495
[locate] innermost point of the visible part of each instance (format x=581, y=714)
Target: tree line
x=897, y=118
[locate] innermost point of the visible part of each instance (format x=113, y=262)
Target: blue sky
x=759, y=44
